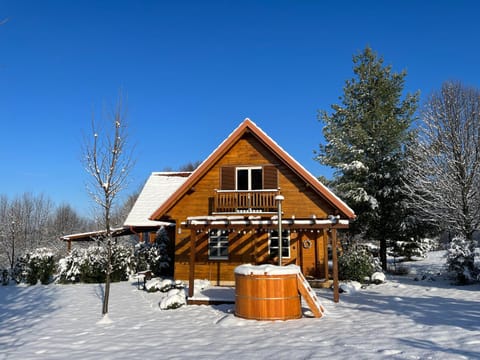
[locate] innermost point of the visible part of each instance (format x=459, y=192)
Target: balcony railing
x=239, y=201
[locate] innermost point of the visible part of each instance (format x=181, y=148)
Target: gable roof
x=248, y=126
x=158, y=188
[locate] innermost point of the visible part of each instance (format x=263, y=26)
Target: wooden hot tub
x=267, y=292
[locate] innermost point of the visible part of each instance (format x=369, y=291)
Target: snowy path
x=402, y=319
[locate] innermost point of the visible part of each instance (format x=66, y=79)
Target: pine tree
x=365, y=138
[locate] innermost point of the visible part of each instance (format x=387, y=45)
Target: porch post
x=335, y=266
x=325, y=256
x=191, y=275
x=279, y=199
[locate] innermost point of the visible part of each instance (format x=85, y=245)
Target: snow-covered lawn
x=401, y=319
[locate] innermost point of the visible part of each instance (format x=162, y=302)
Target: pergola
x=200, y=224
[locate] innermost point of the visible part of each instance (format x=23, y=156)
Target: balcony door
x=249, y=178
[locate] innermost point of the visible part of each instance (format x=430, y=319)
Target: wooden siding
x=300, y=201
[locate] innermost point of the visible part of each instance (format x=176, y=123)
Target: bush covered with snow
x=153, y=256
x=350, y=287
x=378, y=277
x=34, y=266
x=174, y=299
x=356, y=264
x=461, y=260
x=414, y=247
x=174, y=294
x=89, y=265
x=163, y=285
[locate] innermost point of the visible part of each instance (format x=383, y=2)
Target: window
x=218, y=244
x=249, y=178
x=273, y=244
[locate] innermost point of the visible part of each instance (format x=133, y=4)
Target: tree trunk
x=383, y=253
x=106, y=295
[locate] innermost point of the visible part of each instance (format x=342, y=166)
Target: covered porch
x=200, y=225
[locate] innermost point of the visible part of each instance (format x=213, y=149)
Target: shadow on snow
x=22, y=307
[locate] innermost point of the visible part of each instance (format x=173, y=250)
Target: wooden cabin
x=227, y=212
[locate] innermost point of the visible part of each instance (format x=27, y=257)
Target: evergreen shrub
x=461, y=260
x=153, y=256
x=356, y=264
x=34, y=266
x=89, y=265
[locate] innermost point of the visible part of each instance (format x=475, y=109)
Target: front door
x=312, y=254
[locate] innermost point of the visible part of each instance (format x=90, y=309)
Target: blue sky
x=191, y=71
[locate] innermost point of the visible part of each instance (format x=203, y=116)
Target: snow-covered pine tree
x=365, y=142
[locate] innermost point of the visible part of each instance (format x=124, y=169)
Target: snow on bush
x=461, y=259
x=153, y=256
x=89, y=265
x=356, y=264
x=174, y=299
x=414, y=247
x=164, y=285
x=34, y=266
x=200, y=285
x=173, y=292
x=69, y=266
x=152, y=285
x=378, y=277
x=350, y=287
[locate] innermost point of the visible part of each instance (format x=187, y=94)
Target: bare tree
x=443, y=176
x=24, y=225
x=65, y=220
x=107, y=160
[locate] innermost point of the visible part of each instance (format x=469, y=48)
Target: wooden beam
x=191, y=275
x=253, y=226
x=325, y=251
x=336, y=294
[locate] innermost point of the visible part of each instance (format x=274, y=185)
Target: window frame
x=285, y=247
x=249, y=179
x=218, y=240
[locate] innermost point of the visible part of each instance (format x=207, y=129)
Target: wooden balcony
x=239, y=201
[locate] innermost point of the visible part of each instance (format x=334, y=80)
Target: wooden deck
x=217, y=295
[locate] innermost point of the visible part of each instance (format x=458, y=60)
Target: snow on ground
x=401, y=319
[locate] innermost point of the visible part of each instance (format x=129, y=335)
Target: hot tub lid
x=266, y=269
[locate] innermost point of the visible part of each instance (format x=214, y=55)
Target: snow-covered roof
x=93, y=235
x=157, y=189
